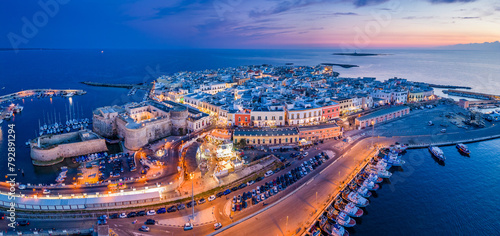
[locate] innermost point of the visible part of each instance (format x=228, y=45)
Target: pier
x=448, y=86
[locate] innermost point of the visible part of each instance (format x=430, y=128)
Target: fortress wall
x=68, y=150
x=104, y=127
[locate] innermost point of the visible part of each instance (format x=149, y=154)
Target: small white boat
x=368, y=184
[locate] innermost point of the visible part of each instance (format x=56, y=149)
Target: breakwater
x=469, y=94
x=127, y=86
x=40, y=93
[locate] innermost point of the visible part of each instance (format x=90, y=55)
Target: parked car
x=227, y=192
x=234, y=189
x=259, y=179
x=151, y=213
x=250, y=182
x=131, y=214
x=219, y=194
x=269, y=173
x=141, y=213
x=211, y=198
x=113, y=216
x=150, y=222
x=102, y=222
x=161, y=210
x=242, y=185
x=201, y=201
x=122, y=215
x=172, y=209
x=181, y=206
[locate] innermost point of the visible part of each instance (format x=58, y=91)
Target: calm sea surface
x=423, y=199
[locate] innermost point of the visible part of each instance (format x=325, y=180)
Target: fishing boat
x=374, y=177
x=463, y=149
x=331, y=229
x=364, y=192
x=399, y=148
x=350, y=208
x=380, y=172
x=368, y=184
x=355, y=198
x=437, y=152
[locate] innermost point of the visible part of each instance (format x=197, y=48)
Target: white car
x=151, y=213
x=250, y=182
x=22, y=186
x=46, y=191
x=211, y=198
x=122, y=215
x=217, y=226
x=268, y=173
x=305, y=154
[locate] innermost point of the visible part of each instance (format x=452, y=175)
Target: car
x=161, y=210
x=151, y=213
x=122, y=215
x=219, y=194
x=172, y=209
x=259, y=179
x=188, y=226
x=131, y=214
x=242, y=185
x=113, y=216
x=228, y=191
x=201, y=201
x=234, y=189
x=181, y=206
x=250, y=182
x=191, y=204
x=141, y=213
x=150, y=222
x=46, y=191
x=305, y=154
x=238, y=199
x=102, y=222
x=144, y=228
x=23, y=223
x=22, y=186
x=217, y=226
x=268, y=173
x=211, y=198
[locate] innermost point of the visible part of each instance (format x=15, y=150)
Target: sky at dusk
x=247, y=24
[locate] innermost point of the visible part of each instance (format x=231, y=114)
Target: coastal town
x=200, y=139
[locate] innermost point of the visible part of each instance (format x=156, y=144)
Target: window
x=246, y=119
x=310, y=114
x=286, y=140
x=253, y=118
x=293, y=116
x=259, y=118
x=239, y=119
x=281, y=117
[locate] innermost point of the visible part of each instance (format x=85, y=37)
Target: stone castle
x=141, y=123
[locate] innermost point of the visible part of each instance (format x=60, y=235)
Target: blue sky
x=247, y=24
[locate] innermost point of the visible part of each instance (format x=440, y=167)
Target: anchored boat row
x=341, y=212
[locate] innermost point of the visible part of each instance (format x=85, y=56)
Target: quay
x=468, y=94
x=127, y=86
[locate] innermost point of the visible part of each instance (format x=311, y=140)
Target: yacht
x=463, y=149
x=355, y=198
x=437, y=152
x=374, y=177
x=364, y=192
